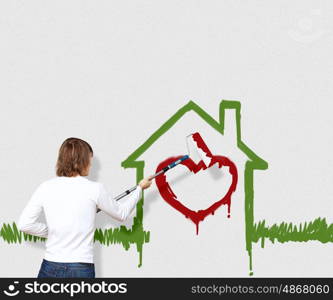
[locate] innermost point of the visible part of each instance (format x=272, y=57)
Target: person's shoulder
x=88, y=183
x=50, y=180
x=95, y=185
x=95, y=188
x=43, y=184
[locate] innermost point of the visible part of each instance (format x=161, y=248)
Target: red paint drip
x=170, y=197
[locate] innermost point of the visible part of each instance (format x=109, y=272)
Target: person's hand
x=146, y=182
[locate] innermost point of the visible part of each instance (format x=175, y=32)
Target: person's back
x=69, y=205
x=70, y=202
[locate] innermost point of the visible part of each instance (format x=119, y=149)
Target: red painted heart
x=169, y=196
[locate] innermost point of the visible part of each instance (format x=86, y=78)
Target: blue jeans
x=51, y=269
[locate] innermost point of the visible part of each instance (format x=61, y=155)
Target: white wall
x=111, y=72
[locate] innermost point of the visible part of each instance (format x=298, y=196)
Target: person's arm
x=28, y=218
x=117, y=210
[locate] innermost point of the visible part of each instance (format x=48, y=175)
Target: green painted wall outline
x=317, y=229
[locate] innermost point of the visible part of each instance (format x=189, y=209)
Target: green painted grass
x=316, y=230
x=11, y=234
x=121, y=235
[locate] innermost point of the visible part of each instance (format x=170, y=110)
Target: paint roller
x=193, y=150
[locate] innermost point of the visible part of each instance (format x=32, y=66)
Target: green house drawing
x=254, y=162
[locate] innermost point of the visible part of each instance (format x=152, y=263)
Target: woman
x=69, y=202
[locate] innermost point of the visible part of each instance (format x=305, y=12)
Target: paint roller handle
x=144, y=184
x=172, y=165
x=175, y=163
x=122, y=195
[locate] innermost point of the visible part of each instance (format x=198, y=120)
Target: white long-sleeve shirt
x=70, y=205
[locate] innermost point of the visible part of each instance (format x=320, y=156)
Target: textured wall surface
x=113, y=72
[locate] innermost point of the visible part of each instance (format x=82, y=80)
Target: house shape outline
x=254, y=162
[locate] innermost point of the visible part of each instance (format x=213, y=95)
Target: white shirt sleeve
x=28, y=219
x=117, y=210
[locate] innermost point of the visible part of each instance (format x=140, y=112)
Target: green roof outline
x=132, y=162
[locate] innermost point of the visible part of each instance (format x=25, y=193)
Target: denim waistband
x=68, y=264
